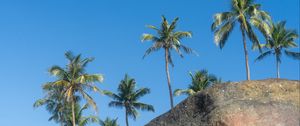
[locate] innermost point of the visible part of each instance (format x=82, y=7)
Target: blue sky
x=34, y=35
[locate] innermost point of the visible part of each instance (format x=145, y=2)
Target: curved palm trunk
x=246, y=54
x=277, y=67
x=126, y=116
x=168, y=77
x=73, y=112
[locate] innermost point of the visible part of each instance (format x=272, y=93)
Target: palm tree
x=200, y=81
x=76, y=81
x=128, y=97
x=168, y=39
x=55, y=103
x=242, y=11
x=280, y=39
x=80, y=119
x=109, y=122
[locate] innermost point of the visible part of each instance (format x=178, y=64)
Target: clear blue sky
x=34, y=34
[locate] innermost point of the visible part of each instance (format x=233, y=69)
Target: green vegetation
x=109, y=122
x=279, y=39
x=128, y=96
x=80, y=119
x=167, y=39
x=55, y=103
x=200, y=81
x=63, y=96
x=242, y=12
x=72, y=83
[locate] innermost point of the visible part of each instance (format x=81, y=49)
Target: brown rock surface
x=250, y=103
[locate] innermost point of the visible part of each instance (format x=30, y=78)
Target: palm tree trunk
x=61, y=123
x=277, y=67
x=73, y=112
x=246, y=54
x=168, y=77
x=126, y=116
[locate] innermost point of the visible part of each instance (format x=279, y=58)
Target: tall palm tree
x=279, y=39
x=242, y=11
x=80, y=119
x=200, y=81
x=109, y=122
x=128, y=96
x=168, y=39
x=76, y=81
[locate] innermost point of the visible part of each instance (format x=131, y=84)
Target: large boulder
x=269, y=102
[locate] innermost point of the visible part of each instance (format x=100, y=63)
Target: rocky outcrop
x=269, y=102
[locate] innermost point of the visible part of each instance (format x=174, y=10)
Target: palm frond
x=263, y=55
x=263, y=26
x=90, y=78
x=151, y=49
x=58, y=72
x=69, y=55
x=182, y=34
x=143, y=107
x=149, y=37
x=116, y=104
x=220, y=18
x=252, y=36
x=154, y=28
x=170, y=59
x=294, y=55
x=133, y=113
x=112, y=95
x=39, y=103
x=140, y=93
x=109, y=122
x=221, y=35
x=173, y=24
x=89, y=100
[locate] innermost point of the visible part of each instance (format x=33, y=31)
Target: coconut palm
x=80, y=119
x=279, y=40
x=109, y=122
x=242, y=11
x=168, y=39
x=76, y=81
x=55, y=103
x=200, y=81
x=128, y=96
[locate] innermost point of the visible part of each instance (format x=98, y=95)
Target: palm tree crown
x=242, y=12
x=279, y=39
x=200, y=81
x=128, y=97
x=75, y=80
x=109, y=122
x=167, y=38
x=55, y=103
x=80, y=119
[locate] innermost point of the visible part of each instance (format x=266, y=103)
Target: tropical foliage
x=200, y=81
x=109, y=122
x=279, y=40
x=128, y=96
x=242, y=12
x=75, y=82
x=55, y=104
x=168, y=39
x=72, y=84
x=80, y=119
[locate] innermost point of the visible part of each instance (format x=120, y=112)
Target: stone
x=270, y=102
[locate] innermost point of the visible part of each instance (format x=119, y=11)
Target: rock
x=269, y=102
